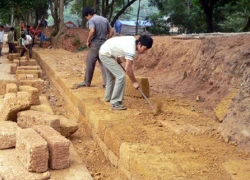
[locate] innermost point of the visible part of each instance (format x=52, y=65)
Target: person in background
x=27, y=30
x=1, y=38
x=99, y=31
x=111, y=53
x=118, y=27
x=12, y=48
x=22, y=27
x=27, y=45
x=45, y=23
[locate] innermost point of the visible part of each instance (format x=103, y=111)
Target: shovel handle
x=143, y=95
x=152, y=107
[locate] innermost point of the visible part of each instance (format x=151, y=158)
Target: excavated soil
x=201, y=90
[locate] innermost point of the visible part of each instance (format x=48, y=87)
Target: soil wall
x=210, y=69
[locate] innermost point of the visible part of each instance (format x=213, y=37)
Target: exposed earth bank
x=212, y=72
x=201, y=87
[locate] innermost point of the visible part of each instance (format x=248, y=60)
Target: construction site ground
x=188, y=81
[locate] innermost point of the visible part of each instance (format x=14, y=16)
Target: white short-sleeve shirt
x=123, y=46
x=1, y=36
x=27, y=41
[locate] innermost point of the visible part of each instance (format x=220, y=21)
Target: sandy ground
x=188, y=79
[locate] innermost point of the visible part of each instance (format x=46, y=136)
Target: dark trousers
x=12, y=48
x=29, y=48
x=1, y=46
x=92, y=57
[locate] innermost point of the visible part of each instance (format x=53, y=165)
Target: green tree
x=112, y=10
x=207, y=15
x=24, y=10
x=56, y=8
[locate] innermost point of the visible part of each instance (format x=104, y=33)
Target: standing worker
x=12, y=48
x=99, y=31
x=1, y=38
x=110, y=54
x=27, y=45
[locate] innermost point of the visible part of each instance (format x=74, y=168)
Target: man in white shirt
x=27, y=45
x=1, y=38
x=110, y=53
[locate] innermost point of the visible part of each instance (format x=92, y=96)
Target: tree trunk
x=207, y=7
x=138, y=13
x=27, y=18
x=12, y=17
x=103, y=8
x=84, y=20
x=95, y=5
x=61, y=9
x=247, y=26
x=110, y=9
x=54, y=5
x=121, y=11
x=56, y=15
x=36, y=16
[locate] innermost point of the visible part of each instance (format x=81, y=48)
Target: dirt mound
x=73, y=39
x=209, y=69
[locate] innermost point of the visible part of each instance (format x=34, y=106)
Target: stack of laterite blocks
x=27, y=72
x=38, y=136
x=42, y=144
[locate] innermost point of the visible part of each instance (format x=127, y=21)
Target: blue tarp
x=133, y=23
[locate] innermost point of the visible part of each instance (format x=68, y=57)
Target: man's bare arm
x=130, y=73
x=90, y=36
x=111, y=33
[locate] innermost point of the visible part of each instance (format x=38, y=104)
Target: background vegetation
x=189, y=16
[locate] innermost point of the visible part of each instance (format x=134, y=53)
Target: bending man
x=110, y=53
x=27, y=45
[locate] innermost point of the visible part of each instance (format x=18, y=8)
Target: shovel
x=143, y=95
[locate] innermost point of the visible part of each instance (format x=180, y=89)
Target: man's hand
x=136, y=85
x=119, y=60
x=88, y=44
x=90, y=36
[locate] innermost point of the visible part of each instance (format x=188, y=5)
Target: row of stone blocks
x=37, y=148
x=16, y=108
x=22, y=98
x=25, y=69
x=27, y=72
x=32, y=92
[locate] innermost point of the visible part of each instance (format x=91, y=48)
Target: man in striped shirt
x=110, y=53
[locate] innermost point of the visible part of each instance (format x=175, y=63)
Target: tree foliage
x=112, y=9
x=28, y=11
x=195, y=16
